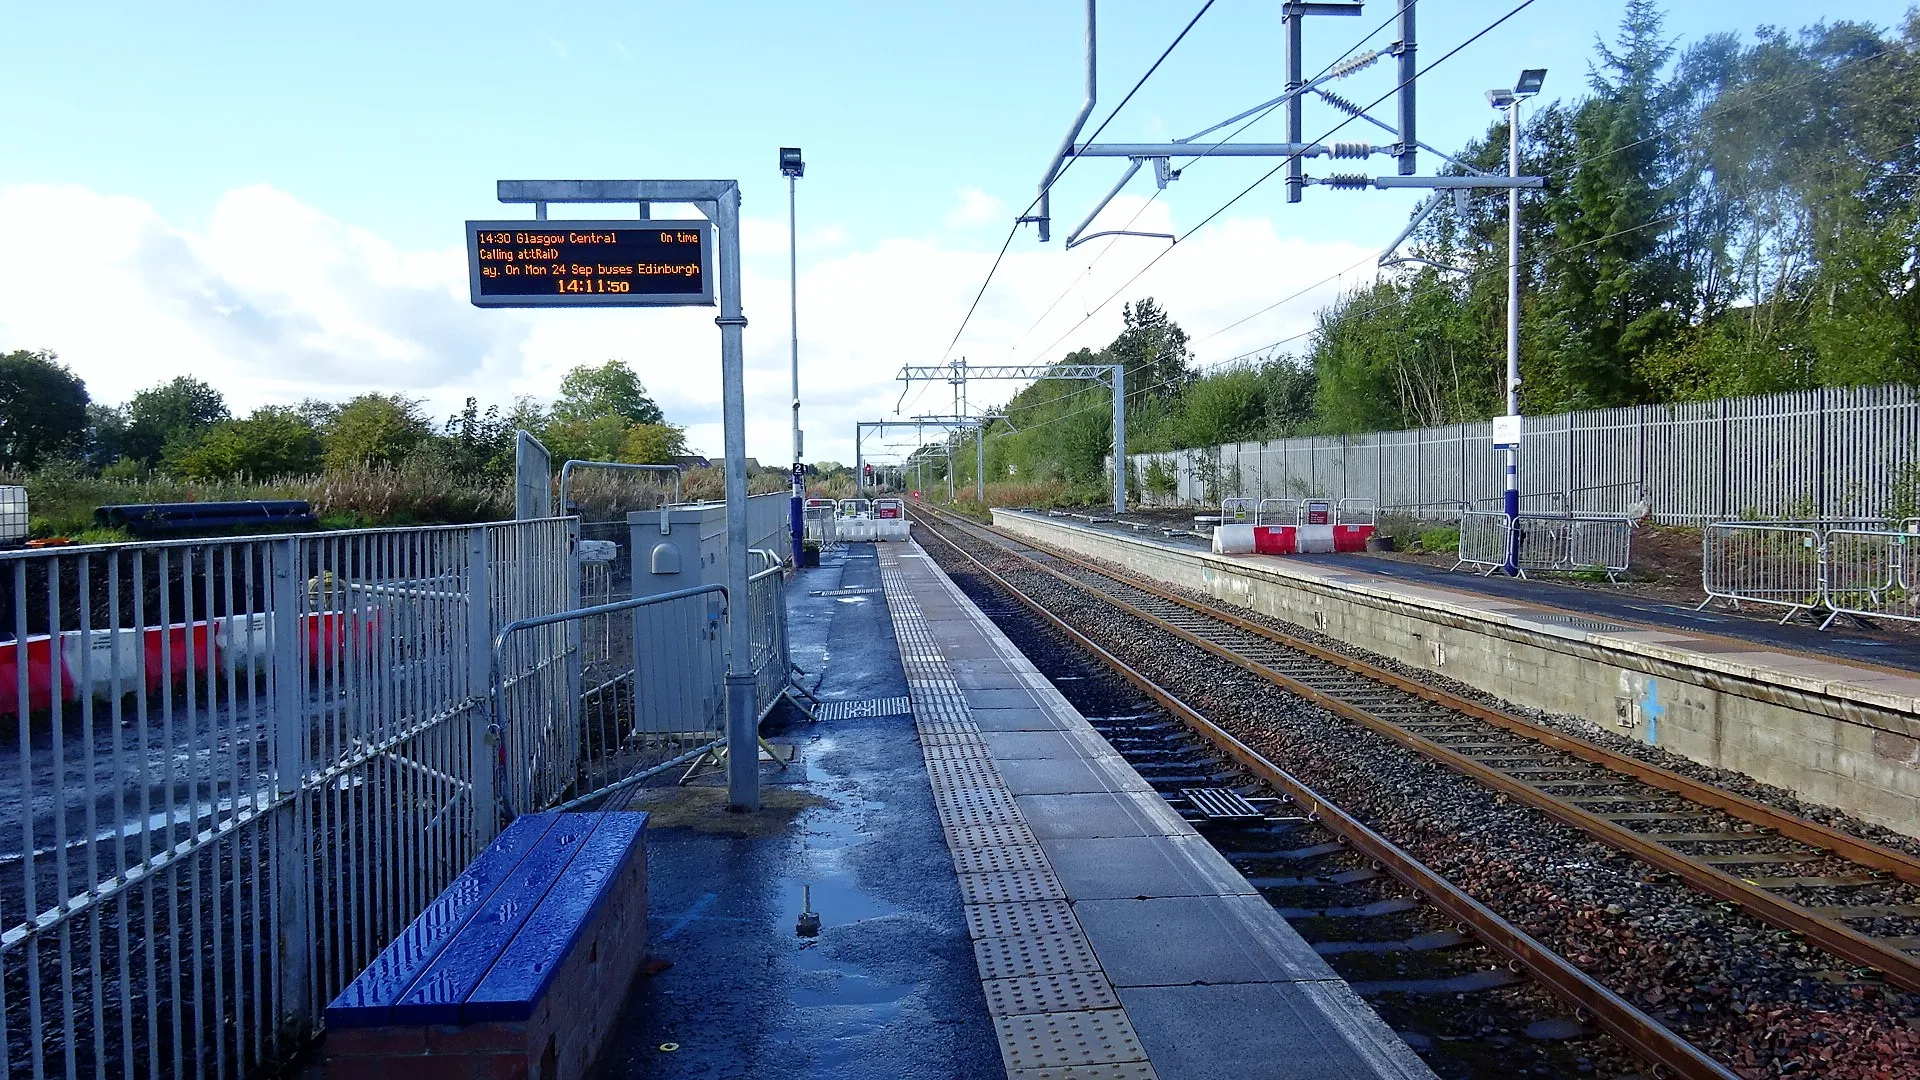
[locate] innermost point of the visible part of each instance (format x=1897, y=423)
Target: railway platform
x=1831, y=718
x=997, y=891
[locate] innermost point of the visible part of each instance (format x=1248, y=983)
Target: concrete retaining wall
x=1843, y=735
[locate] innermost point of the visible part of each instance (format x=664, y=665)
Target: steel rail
x=1841, y=941
x=1646, y=1036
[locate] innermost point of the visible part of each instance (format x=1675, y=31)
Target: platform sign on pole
x=590, y=263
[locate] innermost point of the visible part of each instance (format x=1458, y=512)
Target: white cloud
x=974, y=209
x=273, y=301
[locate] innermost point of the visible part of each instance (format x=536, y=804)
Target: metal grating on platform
x=849, y=710
x=845, y=592
x=1577, y=622
x=1221, y=804
x=1057, y=1040
x=1075, y=991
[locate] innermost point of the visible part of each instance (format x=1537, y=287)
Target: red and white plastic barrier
x=101, y=661
x=1289, y=539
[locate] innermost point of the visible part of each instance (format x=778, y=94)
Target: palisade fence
x=236, y=768
x=1842, y=453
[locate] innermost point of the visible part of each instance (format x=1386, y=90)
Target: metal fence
x=241, y=766
x=1853, y=568
x=1831, y=453
x=1548, y=543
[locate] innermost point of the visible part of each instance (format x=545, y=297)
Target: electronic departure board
x=590, y=263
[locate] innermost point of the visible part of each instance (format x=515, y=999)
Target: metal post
x=980, y=462
x=1291, y=17
x=949, y=441
x=483, y=740
x=793, y=296
x=1512, y=566
x=859, y=487
x=1409, y=149
x=1119, y=438
x=743, y=742
x=293, y=861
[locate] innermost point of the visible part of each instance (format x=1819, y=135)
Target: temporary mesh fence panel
x=1829, y=454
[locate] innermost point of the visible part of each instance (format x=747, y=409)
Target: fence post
x=292, y=857
x=1820, y=507
x=487, y=731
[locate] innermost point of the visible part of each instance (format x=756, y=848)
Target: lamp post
x=793, y=168
x=1526, y=86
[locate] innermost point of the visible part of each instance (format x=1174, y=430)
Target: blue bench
x=523, y=961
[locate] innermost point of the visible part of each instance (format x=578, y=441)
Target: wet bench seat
x=517, y=970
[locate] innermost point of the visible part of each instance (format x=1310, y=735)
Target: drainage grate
x=1221, y=804
x=1580, y=622
x=844, y=592
x=848, y=710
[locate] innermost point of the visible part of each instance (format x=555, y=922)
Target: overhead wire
x=1062, y=171
x=1718, y=109
x=1191, y=162
x=1284, y=162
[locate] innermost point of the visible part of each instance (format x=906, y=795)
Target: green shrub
x=1443, y=539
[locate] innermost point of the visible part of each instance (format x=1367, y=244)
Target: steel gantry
x=959, y=372
x=977, y=423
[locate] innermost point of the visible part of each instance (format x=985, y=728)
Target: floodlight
x=790, y=163
x=1529, y=82
x=1500, y=99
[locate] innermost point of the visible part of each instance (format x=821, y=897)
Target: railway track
x=1853, y=899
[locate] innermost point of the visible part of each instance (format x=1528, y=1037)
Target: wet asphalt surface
x=888, y=989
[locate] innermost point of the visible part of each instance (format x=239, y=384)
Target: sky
x=270, y=197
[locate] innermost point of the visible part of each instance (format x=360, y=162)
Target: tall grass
x=61, y=499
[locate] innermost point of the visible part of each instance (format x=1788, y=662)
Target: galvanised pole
x=1119, y=438
x=743, y=729
x=980, y=462
x=1513, y=337
x=794, y=513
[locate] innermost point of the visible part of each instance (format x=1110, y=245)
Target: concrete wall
x=1832, y=733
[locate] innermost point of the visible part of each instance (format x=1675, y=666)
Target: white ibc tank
x=1233, y=540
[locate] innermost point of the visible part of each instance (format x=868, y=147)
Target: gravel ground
x=1761, y=1000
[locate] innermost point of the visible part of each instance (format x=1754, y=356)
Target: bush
x=1443, y=539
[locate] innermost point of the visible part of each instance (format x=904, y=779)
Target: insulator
x=1350, y=149
x=1348, y=181
x=1341, y=103
x=1353, y=63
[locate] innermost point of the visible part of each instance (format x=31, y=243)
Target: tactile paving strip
x=1025, y=957
x=961, y=779
x=1010, y=887
x=1106, y=1070
x=997, y=859
x=998, y=832
x=1053, y=1040
x=1055, y=1013
x=1075, y=991
x=971, y=807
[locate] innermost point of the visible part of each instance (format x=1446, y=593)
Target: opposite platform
x=1828, y=729
x=1111, y=939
